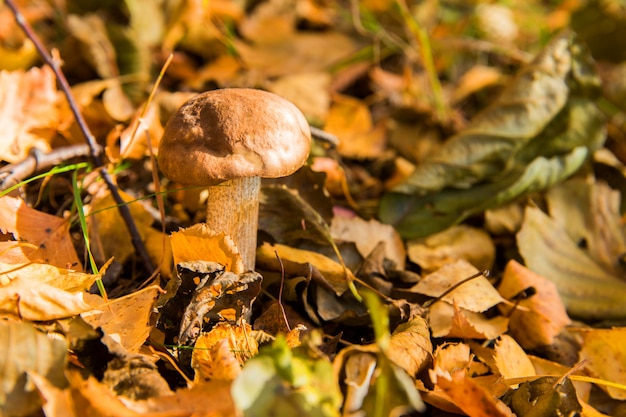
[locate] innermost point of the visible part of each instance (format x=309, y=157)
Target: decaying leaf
x=28, y=300
x=511, y=360
x=536, y=134
x=547, y=396
x=219, y=295
x=541, y=316
x=454, y=321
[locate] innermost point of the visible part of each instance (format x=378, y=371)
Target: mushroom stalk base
x=233, y=208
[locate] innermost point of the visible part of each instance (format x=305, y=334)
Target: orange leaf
x=542, y=316
x=49, y=233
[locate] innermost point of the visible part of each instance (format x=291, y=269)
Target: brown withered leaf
x=298, y=262
x=49, y=233
x=219, y=295
x=540, y=317
x=367, y=235
x=472, y=398
x=29, y=113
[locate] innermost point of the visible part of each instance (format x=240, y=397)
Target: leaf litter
x=369, y=296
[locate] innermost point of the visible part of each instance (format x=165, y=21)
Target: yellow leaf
x=605, y=353
x=200, y=243
x=128, y=317
x=511, y=360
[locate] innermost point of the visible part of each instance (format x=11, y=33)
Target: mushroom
x=228, y=140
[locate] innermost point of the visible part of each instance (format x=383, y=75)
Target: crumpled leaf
x=219, y=295
x=26, y=349
x=587, y=290
x=545, y=396
x=304, y=263
x=367, y=235
x=286, y=382
x=540, y=317
x=537, y=133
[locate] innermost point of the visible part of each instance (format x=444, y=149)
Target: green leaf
x=280, y=381
x=537, y=133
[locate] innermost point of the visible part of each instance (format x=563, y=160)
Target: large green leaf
x=538, y=132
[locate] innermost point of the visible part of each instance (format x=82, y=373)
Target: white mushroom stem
x=233, y=208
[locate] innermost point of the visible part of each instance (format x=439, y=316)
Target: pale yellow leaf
x=604, y=351
x=475, y=295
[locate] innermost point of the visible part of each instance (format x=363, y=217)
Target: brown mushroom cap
x=233, y=133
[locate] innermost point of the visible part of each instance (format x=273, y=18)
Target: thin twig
x=94, y=150
x=38, y=161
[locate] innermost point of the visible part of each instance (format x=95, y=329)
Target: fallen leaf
x=410, y=347
x=455, y=243
x=604, y=353
x=452, y=321
x=477, y=294
x=587, y=290
x=49, y=233
x=350, y=120
x=511, y=360
x=64, y=279
x=28, y=350
x=309, y=91
x=367, y=235
x=28, y=112
x=199, y=243
x=541, y=317
x=221, y=353
x=23, y=299
x=301, y=262
x=128, y=317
